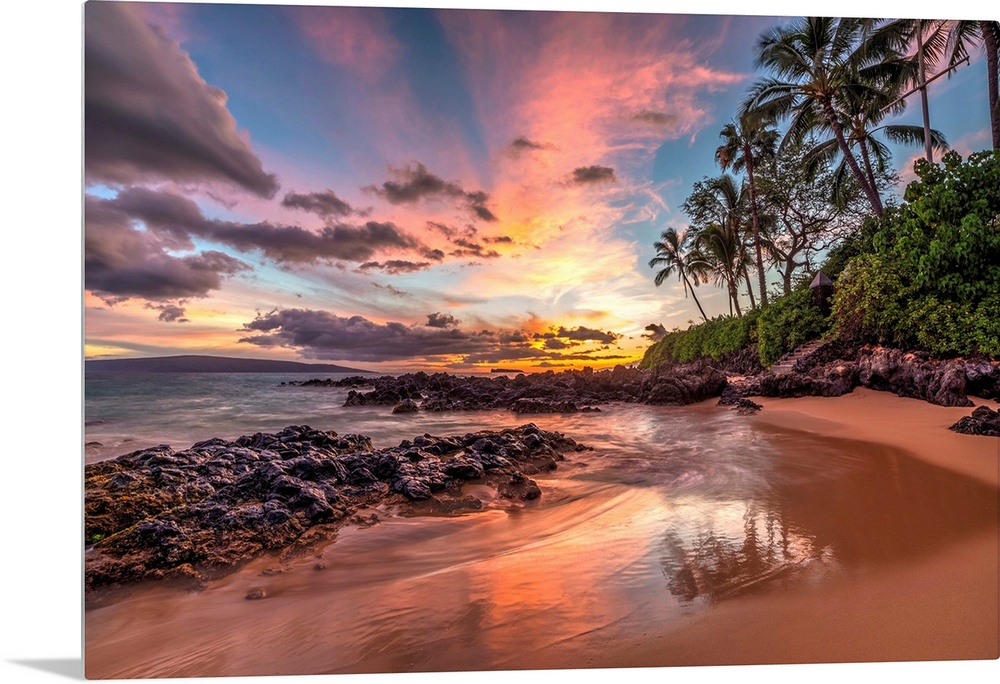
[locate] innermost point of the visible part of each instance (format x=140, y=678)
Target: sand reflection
x=625, y=542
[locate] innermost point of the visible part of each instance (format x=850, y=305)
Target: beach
x=944, y=607
x=856, y=528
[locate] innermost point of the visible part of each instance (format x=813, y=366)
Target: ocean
x=674, y=511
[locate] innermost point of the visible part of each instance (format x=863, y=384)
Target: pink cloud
x=355, y=38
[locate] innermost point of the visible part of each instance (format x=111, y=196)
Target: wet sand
x=944, y=607
x=873, y=536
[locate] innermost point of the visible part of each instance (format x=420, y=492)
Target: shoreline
x=932, y=607
x=941, y=607
x=914, y=426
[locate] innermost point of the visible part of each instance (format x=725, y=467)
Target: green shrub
x=713, y=339
x=931, y=279
x=788, y=323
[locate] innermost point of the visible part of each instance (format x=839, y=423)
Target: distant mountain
x=209, y=364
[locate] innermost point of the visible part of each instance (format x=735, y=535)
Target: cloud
x=326, y=335
x=656, y=118
x=521, y=144
x=323, y=204
x=440, y=320
x=500, y=239
x=467, y=248
x=593, y=174
x=415, y=183
x=178, y=218
x=121, y=262
x=395, y=266
x=169, y=313
x=149, y=115
x=582, y=334
x=394, y=291
x=357, y=39
x=656, y=332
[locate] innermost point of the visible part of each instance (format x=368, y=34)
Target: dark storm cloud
x=415, y=183
x=655, y=118
x=593, y=174
x=179, y=218
x=500, y=239
x=121, y=262
x=440, y=320
x=149, y=115
x=323, y=204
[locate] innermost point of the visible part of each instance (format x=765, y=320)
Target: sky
x=402, y=189
x=46, y=321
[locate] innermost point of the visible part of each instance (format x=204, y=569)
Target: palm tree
x=860, y=113
x=725, y=253
x=720, y=204
x=960, y=35
x=745, y=142
x=814, y=60
x=674, y=252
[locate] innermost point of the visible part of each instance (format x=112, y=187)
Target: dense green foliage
x=788, y=323
x=931, y=279
x=713, y=339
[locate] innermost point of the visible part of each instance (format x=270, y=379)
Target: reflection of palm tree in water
x=717, y=567
x=882, y=508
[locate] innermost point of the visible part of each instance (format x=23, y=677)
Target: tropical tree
x=721, y=204
x=675, y=254
x=945, y=44
x=813, y=61
x=725, y=252
x=861, y=111
x=746, y=142
x=961, y=34
x=803, y=219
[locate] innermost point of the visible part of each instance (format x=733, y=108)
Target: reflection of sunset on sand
x=803, y=546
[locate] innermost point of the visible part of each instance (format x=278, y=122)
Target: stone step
x=787, y=362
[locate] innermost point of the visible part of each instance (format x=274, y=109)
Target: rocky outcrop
x=837, y=367
x=915, y=375
x=683, y=384
x=828, y=380
x=983, y=421
x=550, y=392
x=159, y=513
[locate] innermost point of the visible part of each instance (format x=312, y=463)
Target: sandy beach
x=943, y=607
x=902, y=583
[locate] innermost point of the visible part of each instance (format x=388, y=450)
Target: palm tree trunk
x=733, y=294
x=922, y=77
x=756, y=230
x=993, y=72
x=746, y=277
x=690, y=287
x=866, y=158
x=870, y=192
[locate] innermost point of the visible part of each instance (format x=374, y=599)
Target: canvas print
x=425, y=340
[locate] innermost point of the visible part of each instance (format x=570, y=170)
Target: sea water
x=673, y=511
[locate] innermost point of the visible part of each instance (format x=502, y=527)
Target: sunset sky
x=409, y=188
